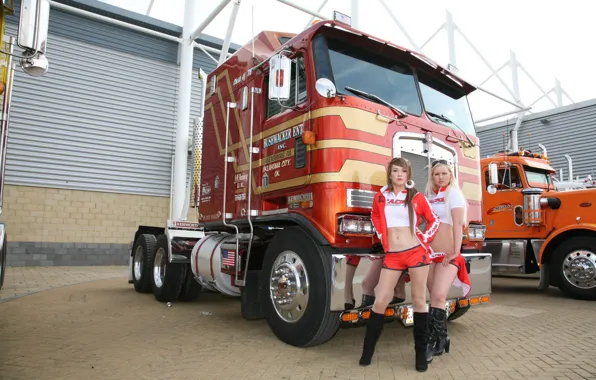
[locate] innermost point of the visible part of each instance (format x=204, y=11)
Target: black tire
x=173, y=274
x=3, y=261
x=145, y=247
x=317, y=324
x=560, y=261
x=191, y=289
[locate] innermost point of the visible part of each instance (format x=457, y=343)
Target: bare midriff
x=401, y=239
x=443, y=241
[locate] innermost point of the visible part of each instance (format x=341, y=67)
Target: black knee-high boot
x=421, y=341
x=436, y=317
x=374, y=327
x=442, y=343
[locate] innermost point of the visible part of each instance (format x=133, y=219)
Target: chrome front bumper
x=480, y=277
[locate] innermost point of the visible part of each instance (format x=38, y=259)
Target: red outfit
x=389, y=208
x=462, y=280
x=410, y=258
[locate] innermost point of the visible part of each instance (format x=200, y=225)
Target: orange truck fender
x=561, y=233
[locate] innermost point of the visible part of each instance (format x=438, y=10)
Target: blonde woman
x=448, y=265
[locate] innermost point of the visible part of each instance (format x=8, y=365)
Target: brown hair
x=405, y=164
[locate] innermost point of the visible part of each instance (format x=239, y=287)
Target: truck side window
x=273, y=107
x=512, y=178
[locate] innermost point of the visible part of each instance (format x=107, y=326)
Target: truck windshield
x=350, y=66
x=443, y=100
x=538, y=178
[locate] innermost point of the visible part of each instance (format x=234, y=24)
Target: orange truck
x=295, y=137
x=532, y=227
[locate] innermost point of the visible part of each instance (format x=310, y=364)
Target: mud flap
x=249, y=297
x=544, y=277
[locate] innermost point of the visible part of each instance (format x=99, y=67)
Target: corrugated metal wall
x=571, y=130
x=103, y=117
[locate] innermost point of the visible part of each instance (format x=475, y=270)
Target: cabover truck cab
x=32, y=39
x=531, y=227
x=294, y=142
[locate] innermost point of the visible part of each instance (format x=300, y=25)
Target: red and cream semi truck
x=295, y=137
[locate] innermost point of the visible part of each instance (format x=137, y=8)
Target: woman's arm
x=375, y=216
x=432, y=219
x=457, y=215
x=457, y=204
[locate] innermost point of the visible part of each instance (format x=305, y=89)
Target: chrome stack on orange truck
x=533, y=227
x=295, y=136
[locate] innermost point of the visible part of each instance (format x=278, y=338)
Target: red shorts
x=353, y=260
x=410, y=258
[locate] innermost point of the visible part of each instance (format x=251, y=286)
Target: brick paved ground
x=20, y=281
x=104, y=330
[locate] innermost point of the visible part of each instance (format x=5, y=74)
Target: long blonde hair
x=431, y=187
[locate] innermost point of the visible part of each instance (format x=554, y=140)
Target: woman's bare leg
x=374, y=325
x=418, y=281
x=438, y=337
x=443, y=278
x=349, y=289
x=384, y=290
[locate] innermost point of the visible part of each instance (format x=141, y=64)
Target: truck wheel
x=3, y=261
x=574, y=266
x=191, y=289
x=167, y=278
x=295, y=290
x=142, y=259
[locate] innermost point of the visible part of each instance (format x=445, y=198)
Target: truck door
x=285, y=161
x=504, y=209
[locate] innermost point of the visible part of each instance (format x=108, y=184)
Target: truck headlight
x=355, y=225
x=476, y=232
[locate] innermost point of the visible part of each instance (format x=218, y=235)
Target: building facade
x=91, y=143
x=564, y=130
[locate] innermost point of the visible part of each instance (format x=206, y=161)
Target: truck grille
x=360, y=198
x=419, y=170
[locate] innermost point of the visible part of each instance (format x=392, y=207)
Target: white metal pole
x=149, y=7
x=318, y=11
x=226, y=44
x=303, y=9
x=536, y=84
x=197, y=32
x=559, y=93
x=450, y=27
x=400, y=26
x=514, y=76
x=183, y=115
x=502, y=114
x=355, y=13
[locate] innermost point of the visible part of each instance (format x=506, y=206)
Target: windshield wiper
x=446, y=119
x=374, y=97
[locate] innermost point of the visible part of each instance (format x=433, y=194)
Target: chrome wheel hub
x=159, y=267
x=288, y=286
x=137, y=263
x=579, y=268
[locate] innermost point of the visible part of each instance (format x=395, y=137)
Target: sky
x=547, y=37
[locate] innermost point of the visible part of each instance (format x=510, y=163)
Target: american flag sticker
x=228, y=258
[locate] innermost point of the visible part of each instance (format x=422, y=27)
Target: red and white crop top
x=396, y=213
x=438, y=204
x=388, y=210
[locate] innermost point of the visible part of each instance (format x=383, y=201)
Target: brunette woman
x=448, y=265
x=396, y=212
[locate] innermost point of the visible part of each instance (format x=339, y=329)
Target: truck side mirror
x=493, y=177
x=33, y=35
x=280, y=76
